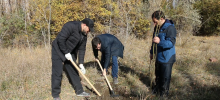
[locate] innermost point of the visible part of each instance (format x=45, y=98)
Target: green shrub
x=185, y=17
x=11, y=27
x=210, y=16
x=13, y=32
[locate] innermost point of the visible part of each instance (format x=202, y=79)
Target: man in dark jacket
x=165, y=38
x=110, y=47
x=70, y=41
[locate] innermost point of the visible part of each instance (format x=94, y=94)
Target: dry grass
x=26, y=74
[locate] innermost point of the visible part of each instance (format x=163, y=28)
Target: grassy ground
x=26, y=73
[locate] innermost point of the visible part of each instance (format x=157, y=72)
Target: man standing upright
x=165, y=38
x=70, y=41
x=110, y=47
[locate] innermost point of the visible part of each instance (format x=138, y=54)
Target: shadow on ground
x=143, y=77
x=102, y=87
x=194, y=89
x=213, y=68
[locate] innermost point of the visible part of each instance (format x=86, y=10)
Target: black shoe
x=164, y=93
x=155, y=90
x=58, y=98
x=83, y=94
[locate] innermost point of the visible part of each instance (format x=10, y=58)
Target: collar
x=165, y=25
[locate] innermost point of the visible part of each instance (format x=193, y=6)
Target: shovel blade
x=113, y=94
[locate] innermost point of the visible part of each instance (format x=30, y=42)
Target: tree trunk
x=7, y=6
x=1, y=8
x=49, y=23
x=25, y=9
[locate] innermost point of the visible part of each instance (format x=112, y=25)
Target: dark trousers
x=114, y=65
x=163, y=75
x=70, y=71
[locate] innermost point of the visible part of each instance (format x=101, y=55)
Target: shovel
x=84, y=76
x=111, y=90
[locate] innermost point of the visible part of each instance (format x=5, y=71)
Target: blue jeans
x=114, y=65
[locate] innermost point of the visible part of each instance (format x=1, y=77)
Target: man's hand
x=82, y=68
x=151, y=56
x=104, y=72
x=156, y=40
x=68, y=56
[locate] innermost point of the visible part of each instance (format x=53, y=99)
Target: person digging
x=70, y=42
x=110, y=47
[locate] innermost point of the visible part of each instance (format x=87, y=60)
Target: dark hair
x=158, y=14
x=95, y=42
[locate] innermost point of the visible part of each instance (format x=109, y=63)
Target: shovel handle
x=99, y=64
x=84, y=76
x=104, y=75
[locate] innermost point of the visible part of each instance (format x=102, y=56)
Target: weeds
x=26, y=74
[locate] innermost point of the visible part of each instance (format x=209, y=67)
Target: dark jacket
x=110, y=46
x=166, y=48
x=71, y=40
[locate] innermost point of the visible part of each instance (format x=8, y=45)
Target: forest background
x=27, y=28
x=36, y=22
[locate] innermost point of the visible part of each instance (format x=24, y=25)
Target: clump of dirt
x=104, y=90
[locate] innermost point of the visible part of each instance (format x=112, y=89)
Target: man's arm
x=107, y=54
x=82, y=50
x=64, y=34
x=170, y=38
x=95, y=53
x=81, y=55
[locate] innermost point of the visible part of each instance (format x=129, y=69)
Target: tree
x=41, y=17
x=210, y=16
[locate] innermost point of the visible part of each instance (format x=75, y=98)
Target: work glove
x=82, y=68
x=68, y=56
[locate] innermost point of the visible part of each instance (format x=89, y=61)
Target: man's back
x=112, y=43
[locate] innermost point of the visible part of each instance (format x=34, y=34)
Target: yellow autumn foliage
x=107, y=14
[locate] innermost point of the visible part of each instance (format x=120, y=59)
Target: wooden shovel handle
x=84, y=76
x=104, y=75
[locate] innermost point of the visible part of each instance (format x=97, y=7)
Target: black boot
x=155, y=90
